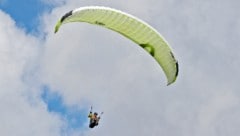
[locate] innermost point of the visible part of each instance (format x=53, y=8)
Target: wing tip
x=175, y=77
x=57, y=26
x=59, y=23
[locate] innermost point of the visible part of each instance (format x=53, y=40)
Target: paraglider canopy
x=131, y=27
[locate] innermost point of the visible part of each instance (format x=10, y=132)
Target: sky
x=48, y=82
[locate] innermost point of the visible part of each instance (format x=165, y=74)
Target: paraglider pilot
x=94, y=119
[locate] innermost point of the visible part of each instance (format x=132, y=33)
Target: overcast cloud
x=89, y=65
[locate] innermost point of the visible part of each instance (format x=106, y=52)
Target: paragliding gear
x=132, y=28
x=94, y=119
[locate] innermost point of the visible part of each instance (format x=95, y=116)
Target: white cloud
x=18, y=116
x=90, y=65
x=213, y=110
x=130, y=88
x=113, y=74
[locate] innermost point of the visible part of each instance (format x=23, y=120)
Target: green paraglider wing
x=132, y=28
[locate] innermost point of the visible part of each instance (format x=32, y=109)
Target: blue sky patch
x=74, y=116
x=26, y=13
